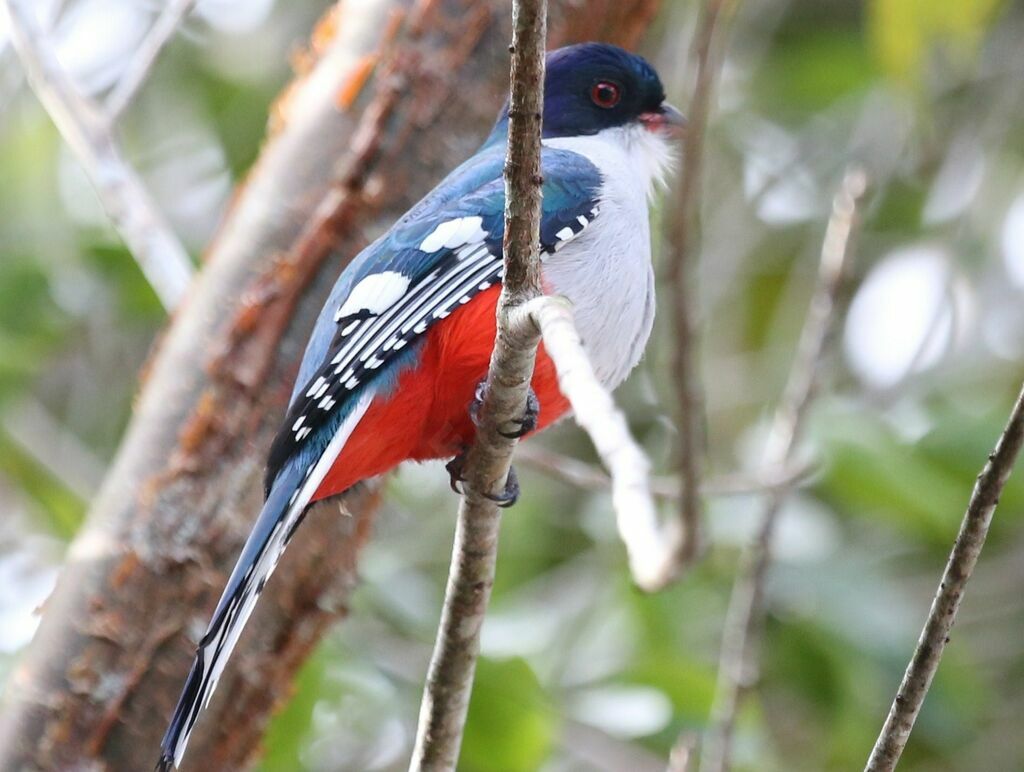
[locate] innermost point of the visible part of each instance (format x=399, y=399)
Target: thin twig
x=681, y=755
x=962, y=560
x=596, y=750
x=683, y=246
x=29, y=424
x=737, y=671
x=150, y=239
x=160, y=34
x=589, y=477
x=471, y=575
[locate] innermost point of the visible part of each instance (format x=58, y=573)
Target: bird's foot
x=528, y=422
x=510, y=495
x=505, y=499
x=524, y=425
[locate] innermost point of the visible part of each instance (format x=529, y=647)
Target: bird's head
x=603, y=91
x=591, y=87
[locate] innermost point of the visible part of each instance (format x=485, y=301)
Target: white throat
x=631, y=155
x=606, y=272
x=650, y=153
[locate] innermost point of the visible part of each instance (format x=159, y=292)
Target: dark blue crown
x=574, y=72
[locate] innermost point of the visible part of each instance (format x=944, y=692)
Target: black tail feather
x=184, y=716
x=274, y=527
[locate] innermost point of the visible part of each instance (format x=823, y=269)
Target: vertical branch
x=935, y=634
x=682, y=247
x=149, y=238
x=474, y=553
x=736, y=670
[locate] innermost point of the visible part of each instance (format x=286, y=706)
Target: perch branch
x=474, y=553
x=551, y=319
x=736, y=672
x=159, y=253
x=682, y=241
x=935, y=634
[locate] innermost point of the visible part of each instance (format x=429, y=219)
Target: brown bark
x=396, y=94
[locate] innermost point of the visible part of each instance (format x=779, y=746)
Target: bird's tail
x=281, y=515
x=292, y=490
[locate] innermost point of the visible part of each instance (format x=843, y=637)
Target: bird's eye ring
x=606, y=94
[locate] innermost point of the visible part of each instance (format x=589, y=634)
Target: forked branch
x=164, y=28
x=87, y=131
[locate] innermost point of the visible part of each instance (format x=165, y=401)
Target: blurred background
x=582, y=672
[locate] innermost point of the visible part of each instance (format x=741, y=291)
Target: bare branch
x=682, y=246
x=595, y=750
x=962, y=560
x=474, y=553
x=157, y=250
x=589, y=477
x=138, y=69
x=736, y=670
x=53, y=447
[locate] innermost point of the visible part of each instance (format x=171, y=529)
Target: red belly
x=427, y=415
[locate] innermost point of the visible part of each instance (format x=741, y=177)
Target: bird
x=395, y=362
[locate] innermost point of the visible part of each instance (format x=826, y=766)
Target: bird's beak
x=666, y=119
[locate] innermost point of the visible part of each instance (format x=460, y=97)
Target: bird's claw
x=505, y=499
x=455, y=469
x=528, y=422
x=477, y=403
x=525, y=425
x=510, y=495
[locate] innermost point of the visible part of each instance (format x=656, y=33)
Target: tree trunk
x=395, y=94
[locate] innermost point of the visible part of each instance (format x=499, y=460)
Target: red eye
x=606, y=94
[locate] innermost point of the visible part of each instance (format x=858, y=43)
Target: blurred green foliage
x=511, y=727
x=905, y=33
x=580, y=671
